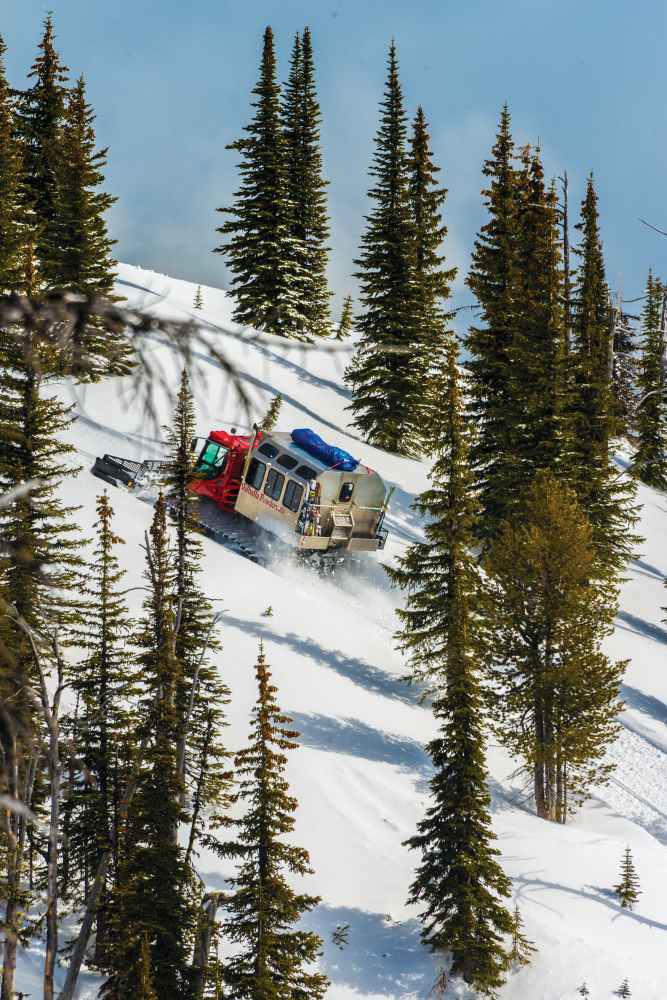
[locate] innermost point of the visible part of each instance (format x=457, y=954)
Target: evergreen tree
x=650, y=460
x=459, y=883
x=104, y=687
x=11, y=231
x=198, y=302
x=146, y=991
x=431, y=281
x=202, y=760
x=153, y=895
x=625, y=373
x=385, y=374
x=548, y=609
x=605, y=497
x=77, y=248
x=272, y=959
x=267, y=266
x=306, y=187
x=522, y=949
x=584, y=991
x=494, y=279
x=346, y=322
x=270, y=418
x=627, y=889
x=623, y=990
x=40, y=117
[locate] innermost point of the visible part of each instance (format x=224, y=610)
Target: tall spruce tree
x=104, y=685
x=265, y=261
x=40, y=117
x=494, y=279
x=306, y=187
x=431, y=280
x=459, y=883
x=11, y=165
x=385, y=374
x=77, y=247
x=627, y=889
x=548, y=609
x=271, y=958
x=605, y=497
x=153, y=895
x=625, y=373
x=650, y=460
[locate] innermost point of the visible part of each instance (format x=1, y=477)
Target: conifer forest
x=333, y=617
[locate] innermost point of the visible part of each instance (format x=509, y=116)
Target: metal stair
x=343, y=526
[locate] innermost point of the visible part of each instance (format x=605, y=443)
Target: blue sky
x=171, y=83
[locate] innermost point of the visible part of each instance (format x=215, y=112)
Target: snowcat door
x=212, y=460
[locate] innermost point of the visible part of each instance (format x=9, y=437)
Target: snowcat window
x=293, y=495
x=274, y=484
x=256, y=471
x=305, y=472
x=286, y=461
x=212, y=459
x=346, y=491
x=267, y=449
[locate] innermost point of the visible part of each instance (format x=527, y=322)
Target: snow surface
x=361, y=774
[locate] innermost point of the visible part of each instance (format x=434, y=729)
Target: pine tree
x=306, y=187
x=198, y=302
x=494, y=279
x=271, y=958
x=432, y=281
x=153, y=894
x=11, y=231
x=270, y=418
x=267, y=266
x=624, y=375
x=650, y=460
x=459, y=883
x=623, y=990
x=522, y=949
x=584, y=991
x=385, y=373
x=76, y=246
x=40, y=117
x=146, y=991
x=346, y=322
x=104, y=687
x=202, y=760
x=548, y=609
x=627, y=889
x=605, y=497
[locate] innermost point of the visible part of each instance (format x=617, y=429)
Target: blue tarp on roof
x=327, y=454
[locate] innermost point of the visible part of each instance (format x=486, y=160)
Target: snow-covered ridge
x=361, y=774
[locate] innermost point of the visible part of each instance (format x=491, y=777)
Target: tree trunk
x=209, y=907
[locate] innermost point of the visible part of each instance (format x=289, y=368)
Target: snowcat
x=312, y=495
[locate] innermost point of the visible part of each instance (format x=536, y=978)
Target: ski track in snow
x=361, y=775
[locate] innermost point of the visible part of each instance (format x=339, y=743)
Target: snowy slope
x=361, y=774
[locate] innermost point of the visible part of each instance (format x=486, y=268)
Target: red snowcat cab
x=220, y=466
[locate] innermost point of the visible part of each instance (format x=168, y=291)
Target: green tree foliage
x=146, y=991
x=522, y=950
x=271, y=959
x=432, y=281
x=153, y=895
x=627, y=889
x=547, y=611
x=384, y=374
x=625, y=373
x=77, y=247
x=104, y=685
x=494, y=279
x=40, y=118
x=459, y=883
x=11, y=165
x=306, y=187
x=623, y=990
x=650, y=460
x=270, y=418
x=268, y=274
x=346, y=322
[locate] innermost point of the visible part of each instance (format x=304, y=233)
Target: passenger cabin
x=302, y=490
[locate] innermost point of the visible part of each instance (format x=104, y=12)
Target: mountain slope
x=361, y=774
